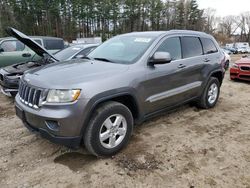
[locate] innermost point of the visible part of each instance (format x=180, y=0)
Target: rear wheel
x=109, y=129
x=210, y=95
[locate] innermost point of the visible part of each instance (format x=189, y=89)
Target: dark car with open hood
x=10, y=75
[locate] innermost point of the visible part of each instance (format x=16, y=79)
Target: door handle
x=206, y=60
x=181, y=66
x=26, y=55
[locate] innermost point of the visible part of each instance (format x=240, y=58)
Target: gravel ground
x=186, y=148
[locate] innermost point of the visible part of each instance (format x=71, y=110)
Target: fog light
x=52, y=125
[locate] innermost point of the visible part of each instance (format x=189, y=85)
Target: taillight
x=223, y=61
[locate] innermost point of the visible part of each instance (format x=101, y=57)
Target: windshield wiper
x=103, y=59
x=86, y=57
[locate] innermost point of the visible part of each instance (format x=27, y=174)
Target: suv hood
x=38, y=49
x=66, y=74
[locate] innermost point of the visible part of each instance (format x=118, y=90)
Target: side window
x=38, y=41
x=208, y=46
x=51, y=44
x=86, y=51
x=12, y=46
x=191, y=47
x=173, y=46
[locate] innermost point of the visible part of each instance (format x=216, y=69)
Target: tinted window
x=67, y=53
x=50, y=44
x=208, y=46
x=191, y=47
x=38, y=41
x=86, y=51
x=12, y=46
x=173, y=46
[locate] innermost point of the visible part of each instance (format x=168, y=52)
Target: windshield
x=67, y=53
x=122, y=49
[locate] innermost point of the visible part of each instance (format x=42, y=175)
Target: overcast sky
x=226, y=7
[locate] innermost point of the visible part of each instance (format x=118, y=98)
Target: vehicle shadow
x=241, y=81
x=75, y=160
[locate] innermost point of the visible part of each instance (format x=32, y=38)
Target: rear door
x=194, y=59
x=13, y=51
x=174, y=83
x=211, y=52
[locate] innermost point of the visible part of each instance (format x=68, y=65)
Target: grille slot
x=30, y=96
x=245, y=68
x=1, y=77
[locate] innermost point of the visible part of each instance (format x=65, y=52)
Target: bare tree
x=211, y=20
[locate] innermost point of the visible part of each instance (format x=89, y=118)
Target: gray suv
x=97, y=101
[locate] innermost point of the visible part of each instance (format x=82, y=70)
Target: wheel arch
x=126, y=98
x=219, y=75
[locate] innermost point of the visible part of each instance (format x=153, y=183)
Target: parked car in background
x=227, y=59
x=227, y=51
x=232, y=49
x=76, y=51
x=241, y=69
x=10, y=75
x=14, y=51
x=242, y=47
x=126, y=80
x=242, y=50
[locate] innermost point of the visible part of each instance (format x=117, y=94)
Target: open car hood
x=37, y=48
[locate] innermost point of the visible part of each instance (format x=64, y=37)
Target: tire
x=205, y=100
x=13, y=94
x=100, y=124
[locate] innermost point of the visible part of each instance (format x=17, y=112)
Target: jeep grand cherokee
x=129, y=78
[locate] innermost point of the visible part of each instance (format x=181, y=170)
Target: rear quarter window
x=208, y=46
x=53, y=44
x=191, y=47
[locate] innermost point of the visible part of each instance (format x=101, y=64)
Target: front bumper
x=239, y=74
x=8, y=85
x=68, y=121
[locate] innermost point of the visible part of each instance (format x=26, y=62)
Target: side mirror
x=79, y=56
x=160, y=58
x=1, y=50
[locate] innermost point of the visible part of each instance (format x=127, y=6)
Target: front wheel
x=109, y=129
x=210, y=94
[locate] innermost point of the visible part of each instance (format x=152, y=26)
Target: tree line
x=71, y=19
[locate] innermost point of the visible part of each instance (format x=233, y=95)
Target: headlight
x=63, y=96
x=235, y=66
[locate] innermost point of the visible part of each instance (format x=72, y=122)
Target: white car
x=242, y=50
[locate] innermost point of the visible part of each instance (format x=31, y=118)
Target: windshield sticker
x=146, y=40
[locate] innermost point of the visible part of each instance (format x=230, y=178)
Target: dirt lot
x=187, y=148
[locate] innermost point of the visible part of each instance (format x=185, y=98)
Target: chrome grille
x=29, y=96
